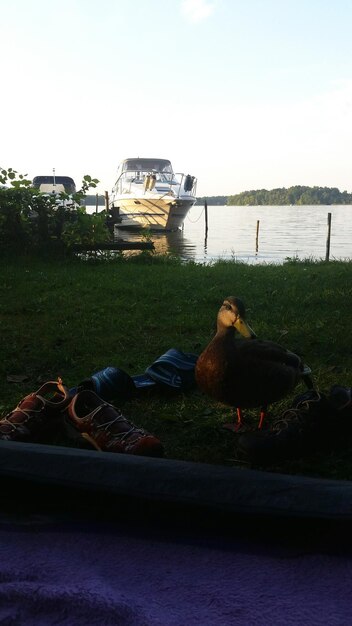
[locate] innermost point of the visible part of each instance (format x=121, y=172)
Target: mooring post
x=106, y=201
x=206, y=216
x=257, y=237
x=327, y=255
x=96, y=202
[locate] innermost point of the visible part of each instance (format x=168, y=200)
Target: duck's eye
x=228, y=307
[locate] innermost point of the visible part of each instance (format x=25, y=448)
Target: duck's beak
x=244, y=329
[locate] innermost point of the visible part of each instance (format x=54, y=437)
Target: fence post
x=257, y=237
x=327, y=255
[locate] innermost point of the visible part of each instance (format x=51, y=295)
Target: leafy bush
x=85, y=229
x=31, y=221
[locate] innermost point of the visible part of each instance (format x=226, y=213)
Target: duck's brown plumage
x=241, y=370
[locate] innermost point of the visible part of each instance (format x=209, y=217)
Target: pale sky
x=243, y=94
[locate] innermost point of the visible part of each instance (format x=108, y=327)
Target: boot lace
x=10, y=426
x=297, y=415
x=110, y=425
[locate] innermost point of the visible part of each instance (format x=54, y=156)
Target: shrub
x=31, y=221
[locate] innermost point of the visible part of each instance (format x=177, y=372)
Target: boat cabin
x=137, y=176
x=136, y=169
x=54, y=184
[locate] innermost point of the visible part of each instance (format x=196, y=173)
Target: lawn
x=70, y=318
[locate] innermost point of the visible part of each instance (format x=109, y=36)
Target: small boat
x=55, y=186
x=148, y=194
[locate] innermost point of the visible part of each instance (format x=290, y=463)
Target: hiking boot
x=37, y=415
x=108, y=429
x=341, y=399
x=304, y=427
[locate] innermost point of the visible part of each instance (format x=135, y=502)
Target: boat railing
x=180, y=184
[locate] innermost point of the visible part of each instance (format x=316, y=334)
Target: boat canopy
x=52, y=183
x=147, y=165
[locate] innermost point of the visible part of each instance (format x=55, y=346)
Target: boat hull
x=156, y=214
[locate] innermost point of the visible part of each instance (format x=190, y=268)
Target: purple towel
x=103, y=574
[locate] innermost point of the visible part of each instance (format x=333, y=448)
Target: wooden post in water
x=106, y=201
x=206, y=217
x=327, y=255
x=257, y=237
x=96, y=202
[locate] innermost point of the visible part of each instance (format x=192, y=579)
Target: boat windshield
x=147, y=165
x=47, y=184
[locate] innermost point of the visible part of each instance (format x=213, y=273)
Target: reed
x=70, y=318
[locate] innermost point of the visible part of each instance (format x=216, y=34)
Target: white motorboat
x=148, y=194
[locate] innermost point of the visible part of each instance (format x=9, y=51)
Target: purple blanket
x=90, y=573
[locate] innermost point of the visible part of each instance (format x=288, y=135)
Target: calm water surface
x=291, y=231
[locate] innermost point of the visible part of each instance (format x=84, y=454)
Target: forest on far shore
x=282, y=196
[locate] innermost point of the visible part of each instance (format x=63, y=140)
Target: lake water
x=289, y=231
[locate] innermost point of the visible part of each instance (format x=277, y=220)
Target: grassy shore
x=71, y=318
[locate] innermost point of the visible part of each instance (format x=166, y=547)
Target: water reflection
x=166, y=243
x=257, y=234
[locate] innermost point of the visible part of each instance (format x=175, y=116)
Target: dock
x=113, y=245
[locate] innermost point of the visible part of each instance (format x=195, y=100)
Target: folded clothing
x=174, y=369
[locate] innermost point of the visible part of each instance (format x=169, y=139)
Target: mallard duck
x=240, y=370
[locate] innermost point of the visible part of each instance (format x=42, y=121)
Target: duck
x=240, y=370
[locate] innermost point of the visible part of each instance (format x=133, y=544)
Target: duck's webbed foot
x=237, y=424
x=262, y=416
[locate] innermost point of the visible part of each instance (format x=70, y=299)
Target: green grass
x=70, y=318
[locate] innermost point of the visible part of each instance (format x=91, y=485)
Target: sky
x=242, y=94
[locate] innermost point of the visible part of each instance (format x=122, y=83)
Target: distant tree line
x=91, y=200
x=293, y=195
x=282, y=196
x=218, y=200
